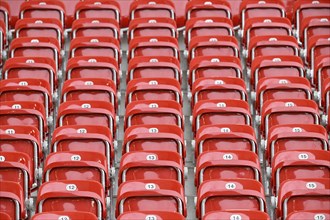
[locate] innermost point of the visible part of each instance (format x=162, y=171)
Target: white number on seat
x=227, y=157
x=319, y=217
x=230, y=186
x=71, y=187
x=150, y=186
x=151, y=157
x=235, y=217
x=311, y=185
x=303, y=156
x=63, y=218
x=76, y=157
x=2, y=158
x=151, y=217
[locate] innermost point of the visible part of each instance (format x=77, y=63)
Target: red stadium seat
x=3, y=39
x=93, y=67
x=5, y=16
x=153, y=89
x=272, y=46
x=37, y=27
x=214, y=66
x=228, y=164
x=290, y=165
x=303, y=195
x=265, y=26
x=43, y=9
x=154, y=67
x=151, y=195
x=154, y=138
x=92, y=27
x=302, y=215
x=221, y=195
x=152, y=27
x=36, y=90
x=24, y=140
x=325, y=94
x=4, y=216
x=215, y=112
x=77, y=165
x=87, y=113
x=17, y=167
x=65, y=214
x=208, y=26
x=98, y=9
x=72, y=195
x=26, y=67
x=288, y=111
x=152, y=9
x=276, y=88
x=321, y=70
x=204, y=8
x=24, y=113
x=218, y=88
x=90, y=89
x=213, y=46
x=243, y=214
x=276, y=66
x=159, y=215
x=150, y=165
x=296, y=137
x=81, y=138
x=36, y=47
x=317, y=46
x=154, y=46
x=95, y=46
x=314, y=26
x=154, y=112
x=225, y=137
x=12, y=200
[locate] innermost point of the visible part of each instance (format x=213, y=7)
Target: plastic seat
x=215, y=165
x=294, y=165
x=272, y=46
x=17, y=167
x=151, y=195
x=72, y=195
x=317, y=46
x=36, y=27
x=303, y=195
x=26, y=68
x=154, y=67
x=243, y=214
x=12, y=200
x=325, y=94
x=3, y=39
x=43, y=9
x=225, y=137
x=168, y=138
x=295, y=137
x=36, y=47
x=159, y=215
x=154, y=46
x=208, y=26
x=87, y=89
x=218, y=88
x=314, y=26
x=87, y=113
x=92, y=27
x=288, y=111
x=154, y=9
x=213, y=46
x=265, y=26
x=24, y=140
x=152, y=112
x=98, y=9
x=4, y=216
x=256, y=8
x=5, y=16
x=204, y=8
x=214, y=66
x=221, y=195
x=215, y=112
x=93, y=67
x=65, y=214
x=81, y=138
x=95, y=46
x=77, y=165
x=276, y=66
x=321, y=71
x=36, y=90
x=301, y=215
x=152, y=27
x=276, y=88
x=24, y=113
x=150, y=165
x=153, y=89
